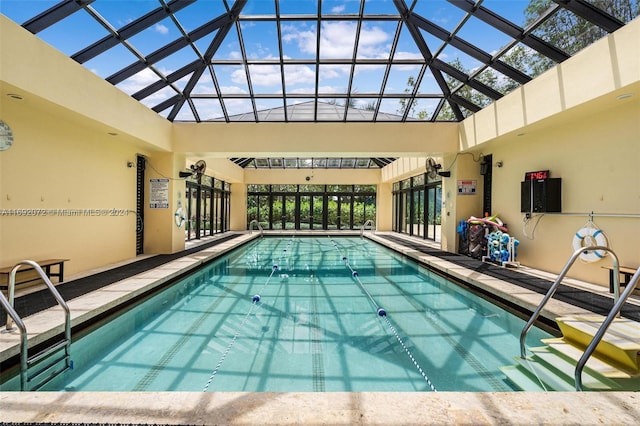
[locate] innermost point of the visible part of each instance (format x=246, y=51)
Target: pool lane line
x=254, y=300
x=383, y=313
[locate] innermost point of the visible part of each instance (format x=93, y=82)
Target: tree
x=564, y=30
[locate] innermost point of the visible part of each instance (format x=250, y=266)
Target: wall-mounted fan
x=199, y=167
x=196, y=170
x=432, y=168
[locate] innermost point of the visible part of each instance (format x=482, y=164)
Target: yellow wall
x=58, y=168
x=569, y=121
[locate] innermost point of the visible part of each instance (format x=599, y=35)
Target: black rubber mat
x=32, y=303
x=591, y=301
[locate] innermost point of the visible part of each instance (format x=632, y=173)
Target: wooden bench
x=626, y=272
x=44, y=264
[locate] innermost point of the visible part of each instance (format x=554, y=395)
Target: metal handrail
x=368, y=222
x=258, y=224
x=556, y=284
x=615, y=311
x=12, y=315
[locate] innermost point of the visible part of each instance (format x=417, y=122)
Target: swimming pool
x=302, y=314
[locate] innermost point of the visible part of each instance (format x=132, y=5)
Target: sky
x=260, y=42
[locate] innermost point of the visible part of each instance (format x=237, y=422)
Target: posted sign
x=466, y=187
x=159, y=193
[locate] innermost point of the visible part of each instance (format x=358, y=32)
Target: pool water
x=303, y=314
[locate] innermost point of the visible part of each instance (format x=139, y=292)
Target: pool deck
x=514, y=408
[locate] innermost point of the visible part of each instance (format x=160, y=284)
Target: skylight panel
x=299, y=39
x=158, y=97
x=112, y=61
x=205, y=85
x=441, y=12
x=428, y=85
x=320, y=162
x=153, y=38
x=291, y=163
x=301, y=109
x=367, y=79
x=265, y=79
x=258, y=7
x=260, y=39
x=236, y=108
x=63, y=34
x=232, y=79
x=406, y=48
x=376, y=39
x=297, y=7
x=120, y=13
x=198, y=13
x=299, y=79
x=361, y=109
x=340, y=7
x=176, y=60
x=270, y=109
x=483, y=36
x=400, y=77
x=390, y=110
x=422, y=109
x=337, y=39
x=379, y=8
x=568, y=32
x=21, y=11
x=333, y=78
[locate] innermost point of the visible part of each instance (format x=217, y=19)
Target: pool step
x=620, y=345
x=613, y=366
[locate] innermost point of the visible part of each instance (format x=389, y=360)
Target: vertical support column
x=384, y=206
x=238, y=219
x=164, y=194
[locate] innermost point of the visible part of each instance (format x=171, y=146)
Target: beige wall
x=568, y=120
x=57, y=168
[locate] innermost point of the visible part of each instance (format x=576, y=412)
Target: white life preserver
x=179, y=217
x=590, y=236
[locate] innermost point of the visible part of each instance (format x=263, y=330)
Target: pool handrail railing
x=368, y=222
x=258, y=225
x=13, y=316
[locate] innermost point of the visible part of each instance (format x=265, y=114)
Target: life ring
x=179, y=217
x=590, y=236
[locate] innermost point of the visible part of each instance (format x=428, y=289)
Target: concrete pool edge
x=340, y=408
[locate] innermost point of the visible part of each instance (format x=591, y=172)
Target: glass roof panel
x=333, y=78
x=483, y=36
x=120, y=13
x=198, y=13
x=390, y=110
x=260, y=39
x=232, y=79
x=64, y=36
x=375, y=39
x=441, y=12
x=297, y=7
x=367, y=79
x=153, y=38
x=571, y=40
x=265, y=79
x=340, y=7
x=106, y=65
x=208, y=109
x=299, y=39
x=300, y=79
x=270, y=109
x=342, y=72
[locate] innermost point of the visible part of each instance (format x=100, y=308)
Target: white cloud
x=161, y=29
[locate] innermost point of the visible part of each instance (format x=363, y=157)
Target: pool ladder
x=40, y=368
x=619, y=300
x=254, y=221
x=369, y=223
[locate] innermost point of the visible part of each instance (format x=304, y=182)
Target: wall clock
x=6, y=136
